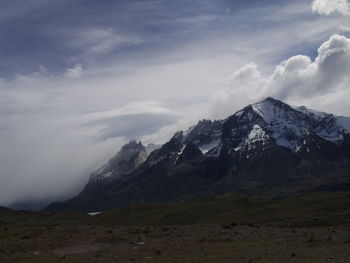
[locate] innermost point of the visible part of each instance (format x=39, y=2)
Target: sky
x=79, y=78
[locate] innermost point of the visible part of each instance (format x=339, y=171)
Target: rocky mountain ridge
x=130, y=156
x=269, y=149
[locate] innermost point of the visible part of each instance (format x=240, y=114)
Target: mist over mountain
x=268, y=149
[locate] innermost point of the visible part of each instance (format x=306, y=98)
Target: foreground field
x=227, y=228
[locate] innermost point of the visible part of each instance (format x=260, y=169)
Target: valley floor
x=314, y=228
x=192, y=243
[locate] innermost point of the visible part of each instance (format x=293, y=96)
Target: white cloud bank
x=322, y=82
x=328, y=7
x=51, y=139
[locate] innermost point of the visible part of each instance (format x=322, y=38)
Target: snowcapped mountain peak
x=286, y=125
x=273, y=110
x=271, y=100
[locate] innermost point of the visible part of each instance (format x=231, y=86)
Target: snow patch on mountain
x=331, y=128
x=207, y=147
x=256, y=135
x=288, y=125
x=268, y=111
x=214, y=152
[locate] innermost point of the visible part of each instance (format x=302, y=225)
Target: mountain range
x=268, y=149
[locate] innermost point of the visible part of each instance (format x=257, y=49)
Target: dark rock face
x=190, y=152
x=268, y=149
x=205, y=132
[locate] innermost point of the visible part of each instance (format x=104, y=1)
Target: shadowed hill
x=321, y=208
x=310, y=209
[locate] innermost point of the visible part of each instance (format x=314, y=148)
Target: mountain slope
x=269, y=149
x=127, y=159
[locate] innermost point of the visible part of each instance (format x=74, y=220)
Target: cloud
x=53, y=158
x=99, y=41
x=132, y=121
x=299, y=76
x=197, y=20
x=74, y=72
x=297, y=79
x=244, y=83
x=328, y=7
x=56, y=130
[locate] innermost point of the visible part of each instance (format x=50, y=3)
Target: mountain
x=267, y=149
x=130, y=156
x=127, y=159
